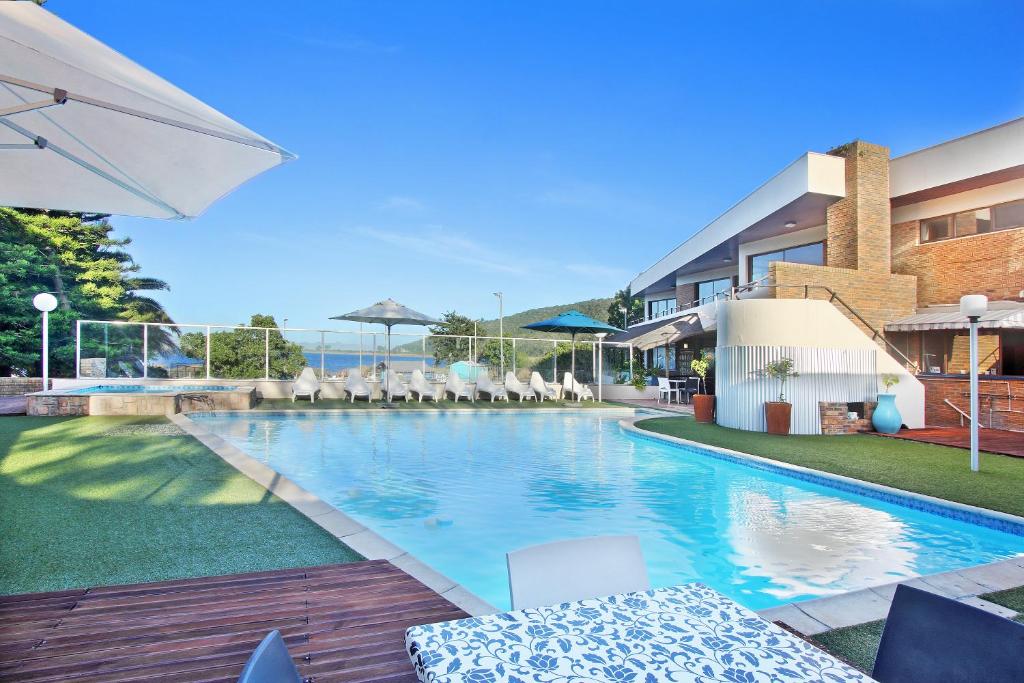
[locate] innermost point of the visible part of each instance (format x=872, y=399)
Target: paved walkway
x=650, y=403
x=990, y=440
x=12, y=405
x=342, y=622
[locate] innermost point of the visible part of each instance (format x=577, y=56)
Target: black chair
x=270, y=663
x=932, y=639
x=691, y=387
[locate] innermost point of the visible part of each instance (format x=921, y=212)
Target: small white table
x=680, y=634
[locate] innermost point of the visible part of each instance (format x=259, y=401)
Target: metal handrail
x=963, y=415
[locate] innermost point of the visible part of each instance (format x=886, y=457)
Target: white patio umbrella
x=83, y=128
x=387, y=313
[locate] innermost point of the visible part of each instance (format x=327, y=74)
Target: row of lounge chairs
x=454, y=387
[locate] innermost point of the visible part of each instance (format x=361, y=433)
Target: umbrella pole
x=573, y=363
x=386, y=384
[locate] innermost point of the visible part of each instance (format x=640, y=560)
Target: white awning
x=1007, y=315
x=689, y=324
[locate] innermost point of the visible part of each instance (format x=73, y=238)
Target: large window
x=710, y=289
x=660, y=307
x=813, y=254
x=973, y=222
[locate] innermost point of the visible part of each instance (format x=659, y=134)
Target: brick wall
x=17, y=386
x=835, y=420
x=859, y=224
x=878, y=297
x=1006, y=413
x=685, y=294
x=990, y=264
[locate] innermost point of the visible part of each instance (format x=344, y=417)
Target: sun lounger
x=356, y=386
x=513, y=387
x=577, y=569
x=420, y=387
x=457, y=387
x=306, y=384
x=484, y=385
x=541, y=388
x=579, y=391
x=394, y=387
x=270, y=663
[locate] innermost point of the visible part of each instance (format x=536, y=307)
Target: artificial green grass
x=939, y=471
x=344, y=404
x=1012, y=598
x=854, y=644
x=82, y=508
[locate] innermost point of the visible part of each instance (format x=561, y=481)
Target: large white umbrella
x=387, y=313
x=83, y=128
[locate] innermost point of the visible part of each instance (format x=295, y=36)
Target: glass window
x=709, y=289
x=935, y=229
x=812, y=254
x=660, y=307
x=935, y=346
x=659, y=355
x=1008, y=216
x=1012, y=342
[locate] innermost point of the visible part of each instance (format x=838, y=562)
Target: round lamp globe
x=44, y=302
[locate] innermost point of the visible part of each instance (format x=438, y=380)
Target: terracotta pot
x=704, y=407
x=777, y=416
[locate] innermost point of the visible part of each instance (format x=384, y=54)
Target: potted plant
x=703, y=404
x=886, y=418
x=778, y=413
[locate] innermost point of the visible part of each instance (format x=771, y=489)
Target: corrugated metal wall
x=825, y=375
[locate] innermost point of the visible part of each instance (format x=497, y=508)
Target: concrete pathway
x=12, y=405
x=682, y=408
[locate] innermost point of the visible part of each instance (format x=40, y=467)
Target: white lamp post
x=45, y=302
x=600, y=364
x=625, y=317
x=501, y=329
x=974, y=306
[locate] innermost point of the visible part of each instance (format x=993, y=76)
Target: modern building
x=890, y=243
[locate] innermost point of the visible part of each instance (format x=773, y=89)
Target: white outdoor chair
x=394, y=387
x=484, y=385
x=419, y=386
x=306, y=384
x=577, y=569
x=579, y=391
x=665, y=389
x=457, y=387
x=541, y=388
x=356, y=386
x=513, y=387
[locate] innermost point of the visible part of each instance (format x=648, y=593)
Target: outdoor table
x=678, y=634
x=678, y=386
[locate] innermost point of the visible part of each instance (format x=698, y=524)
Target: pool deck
x=341, y=623
x=1000, y=441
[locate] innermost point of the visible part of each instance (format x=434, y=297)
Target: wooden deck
x=341, y=622
x=990, y=440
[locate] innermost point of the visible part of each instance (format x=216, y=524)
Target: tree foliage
x=242, y=353
x=74, y=257
x=624, y=299
x=448, y=349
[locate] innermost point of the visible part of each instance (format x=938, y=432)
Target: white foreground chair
x=457, y=387
x=665, y=389
x=306, y=384
x=419, y=386
x=579, y=391
x=395, y=387
x=356, y=386
x=513, y=387
x=484, y=385
x=541, y=388
x=577, y=569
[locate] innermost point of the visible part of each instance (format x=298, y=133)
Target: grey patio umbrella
x=387, y=313
x=572, y=323
x=84, y=128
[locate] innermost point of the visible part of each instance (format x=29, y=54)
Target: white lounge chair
x=306, y=384
x=457, y=387
x=484, y=385
x=579, y=391
x=666, y=389
x=541, y=388
x=513, y=387
x=420, y=387
x=577, y=569
x=356, y=386
x=394, y=387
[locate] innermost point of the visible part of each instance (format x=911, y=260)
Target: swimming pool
x=459, y=489
x=146, y=389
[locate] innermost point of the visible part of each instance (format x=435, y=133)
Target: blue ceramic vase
x=886, y=418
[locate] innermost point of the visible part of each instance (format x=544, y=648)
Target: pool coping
x=819, y=615
x=341, y=526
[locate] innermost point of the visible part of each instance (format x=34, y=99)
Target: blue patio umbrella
x=572, y=323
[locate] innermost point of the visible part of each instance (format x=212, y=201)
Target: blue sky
x=549, y=150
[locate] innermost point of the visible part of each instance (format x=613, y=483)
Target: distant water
x=333, y=362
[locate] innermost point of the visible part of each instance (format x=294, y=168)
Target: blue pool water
x=458, y=490
x=145, y=389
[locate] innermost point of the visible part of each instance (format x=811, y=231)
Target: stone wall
x=19, y=386
x=835, y=418
x=1000, y=402
x=52, y=406
x=991, y=264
